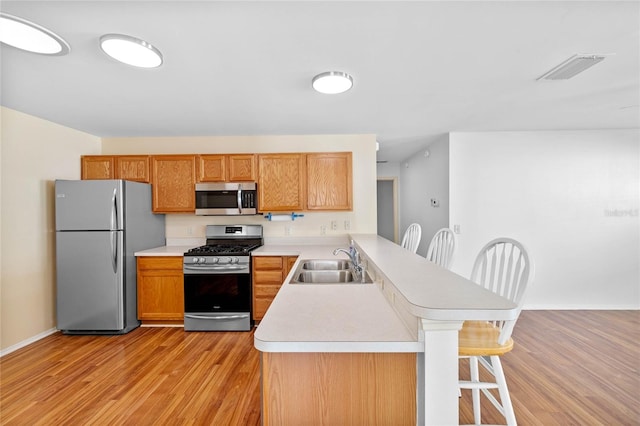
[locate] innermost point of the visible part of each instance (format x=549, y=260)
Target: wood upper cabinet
x=97, y=167
x=329, y=181
x=226, y=168
x=268, y=273
x=160, y=289
x=129, y=167
x=133, y=167
x=173, y=178
x=281, y=182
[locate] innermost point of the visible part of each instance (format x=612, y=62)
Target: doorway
x=388, y=208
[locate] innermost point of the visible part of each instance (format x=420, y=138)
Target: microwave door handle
x=240, y=197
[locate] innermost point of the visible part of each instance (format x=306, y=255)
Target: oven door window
x=217, y=293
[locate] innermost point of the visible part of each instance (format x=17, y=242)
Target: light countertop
x=378, y=317
x=165, y=251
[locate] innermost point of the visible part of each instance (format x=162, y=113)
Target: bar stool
x=442, y=247
x=504, y=267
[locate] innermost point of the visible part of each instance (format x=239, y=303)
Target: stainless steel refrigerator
x=100, y=224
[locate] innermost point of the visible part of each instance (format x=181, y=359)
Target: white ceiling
x=421, y=68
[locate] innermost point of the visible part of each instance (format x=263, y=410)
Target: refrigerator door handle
x=114, y=250
x=114, y=210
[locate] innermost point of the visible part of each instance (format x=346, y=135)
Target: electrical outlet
x=334, y=225
x=347, y=225
x=287, y=230
x=190, y=230
x=456, y=229
x=323, y=229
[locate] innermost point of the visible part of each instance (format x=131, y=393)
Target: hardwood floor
x=567, y=368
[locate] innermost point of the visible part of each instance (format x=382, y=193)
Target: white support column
x=441, y=372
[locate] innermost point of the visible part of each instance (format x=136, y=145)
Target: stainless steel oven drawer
x=219, y=321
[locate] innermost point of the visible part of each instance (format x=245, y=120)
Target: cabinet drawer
x=262, y=290
x=267, y=262
x=160, y=262
x=267, y=277
x=260, y=307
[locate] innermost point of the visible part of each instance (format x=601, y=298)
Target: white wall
x=361, y=220
x=35, y=152
x=423, y=177
x=571, y=197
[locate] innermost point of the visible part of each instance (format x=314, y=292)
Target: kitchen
x=27, y=219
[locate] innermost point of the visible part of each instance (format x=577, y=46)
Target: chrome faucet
x=355, y=259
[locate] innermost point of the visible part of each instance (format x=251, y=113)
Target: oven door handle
x=216, y=269
x=218, y=318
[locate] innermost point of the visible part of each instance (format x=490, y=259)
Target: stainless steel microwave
x=226, y=199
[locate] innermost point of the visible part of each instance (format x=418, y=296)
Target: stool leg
x=475, y=393
x=505, y=399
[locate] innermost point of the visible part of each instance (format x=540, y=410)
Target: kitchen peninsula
x=369, y=352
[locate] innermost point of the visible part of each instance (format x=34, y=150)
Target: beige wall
x=361, y=220
x=35, y=152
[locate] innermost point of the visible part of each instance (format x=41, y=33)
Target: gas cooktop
x=234, y=249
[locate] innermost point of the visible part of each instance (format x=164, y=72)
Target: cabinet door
x=241, y=168
x=173, y=178
x=281, y=182
x=133, y=167
x=212, y=168
x=160, y=288
x=329, y=185
x=97, y=167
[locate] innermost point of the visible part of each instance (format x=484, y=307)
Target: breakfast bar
x=406, y=320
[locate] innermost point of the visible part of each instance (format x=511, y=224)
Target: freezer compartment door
x=90, y=286
x=83, y=205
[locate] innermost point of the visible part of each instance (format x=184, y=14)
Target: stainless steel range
x=217, y=279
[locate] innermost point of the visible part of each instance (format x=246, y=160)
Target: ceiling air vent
x=572, y=66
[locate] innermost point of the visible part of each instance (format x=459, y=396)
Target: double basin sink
x=328, y=271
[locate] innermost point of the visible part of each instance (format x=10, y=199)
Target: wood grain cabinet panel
x=97, y=167
x=338, y=388
x=173, y=178
x=281, y=182
x=241, y=167
x=212, y=168
x=268, y=273
x=329, y=181
x=133, y=167
x=160, y=289
x=226, y=168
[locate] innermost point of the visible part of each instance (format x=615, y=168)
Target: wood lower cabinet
x=174, y=180
x=329, y=181
x=281, y=182
x=268, y=274
x=338, y=388
x=160, y=289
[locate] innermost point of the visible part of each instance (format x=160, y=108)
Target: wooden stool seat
x=480, y=338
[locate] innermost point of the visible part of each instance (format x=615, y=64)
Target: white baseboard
x=26, y=342
x=551, y=307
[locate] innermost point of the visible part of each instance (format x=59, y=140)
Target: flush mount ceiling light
x=572, y=66
x=26, y=35
x=332, y=82
x=131, y=51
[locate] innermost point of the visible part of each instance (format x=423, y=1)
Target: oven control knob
x=194, y=260
x=235, y=260
x=214, y=260
x=203, y=260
